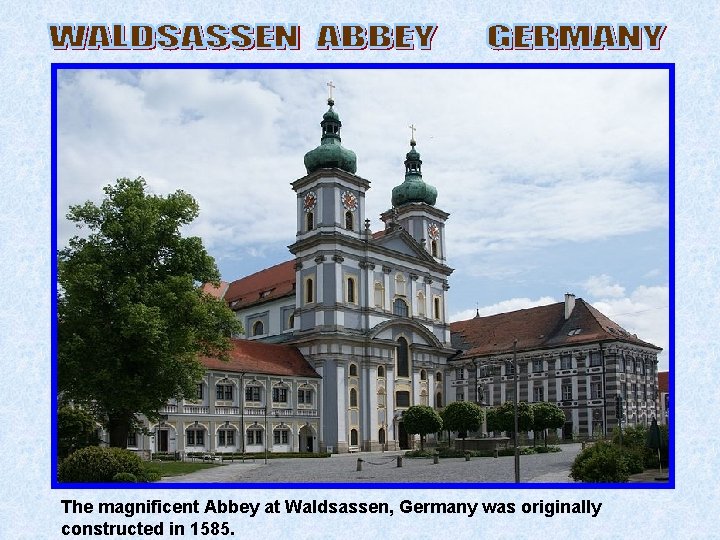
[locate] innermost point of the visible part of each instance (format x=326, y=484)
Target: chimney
x=569, y=304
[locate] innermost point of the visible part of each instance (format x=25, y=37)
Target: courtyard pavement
x=382, y=467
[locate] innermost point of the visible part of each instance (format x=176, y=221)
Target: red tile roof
x=269, y=284
x=263, y=358
x=217, y=292
x=663, y=381
x=537, y=328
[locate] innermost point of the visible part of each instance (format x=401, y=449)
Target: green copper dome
x=413, y=189
x=330, y=153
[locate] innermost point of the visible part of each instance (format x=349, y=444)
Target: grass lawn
x=176, y=468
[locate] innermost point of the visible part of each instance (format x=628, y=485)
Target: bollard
x=399, y=461
x=359, y=465
x=436, y=459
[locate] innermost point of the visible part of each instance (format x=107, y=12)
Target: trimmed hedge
x=99, y=464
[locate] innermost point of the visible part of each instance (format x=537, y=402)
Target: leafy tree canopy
x=422, y=419
x=502, y=418
x=462, y=416
x=547, y=416
x=132, y=318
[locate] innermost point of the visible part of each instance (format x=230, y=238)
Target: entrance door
x=309, y=443
x=568, y=431
x=162, y=442
x=403, y=437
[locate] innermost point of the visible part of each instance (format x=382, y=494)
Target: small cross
x=412, y=131
x=330, y=86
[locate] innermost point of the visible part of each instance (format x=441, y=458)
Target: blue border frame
x=55, y=67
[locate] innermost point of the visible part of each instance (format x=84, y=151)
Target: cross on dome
x=330, y=86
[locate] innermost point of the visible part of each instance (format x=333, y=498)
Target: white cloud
x=504, y=306
x=601, y=286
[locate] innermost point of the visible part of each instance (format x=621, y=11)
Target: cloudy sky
x=556, y=180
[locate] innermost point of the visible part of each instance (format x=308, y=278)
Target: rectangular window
x=224, y=391
x=437, y=308
x=510, y=394
x=566, y=361
x=635, y=391
x=509, y=368
x=537, y=365
x=305, y=397
x=567, y=392
x=279, y=395
x=195, y=437
x=595, y=359
x=226, y=437
x=402, y=399
x=538, y=394
x=460, y=374
x=459, y=395
x=254, y=436
x=132, y=440
x=280, y=436
x=596, y=390
x=252, y=393
x=199, y=393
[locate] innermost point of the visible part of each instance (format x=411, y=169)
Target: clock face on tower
x=349, y=201
x=309, y=201
x=434, y=231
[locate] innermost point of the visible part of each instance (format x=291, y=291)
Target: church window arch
x=381, y=435
x=353, y=437
x=353, y=397
x=349, y=220
x=381, y=371
x=403, y=358
x=353, y=370
x=309, y=290
x=309, y=221
x=438, y=376
x=258, y=328
x=379, y=295
x=351, y=290
x=423, y=375
x=400, y=307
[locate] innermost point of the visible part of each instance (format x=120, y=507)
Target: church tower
x=414, y=209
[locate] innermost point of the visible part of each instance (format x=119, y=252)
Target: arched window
x=381, y=371
x=400, y=285
x=403, y=363
x=350, y=289
x=423, y=375
x=353, y=437
x=437, y=312
x=434, y=248
x=438, y=400
x=309, y=292
x=226, y=437
x=400, y=307
x=258, y=328
x=309, y=221
x=353, y=370
x=353, y=398
x=349, y=220
x=281, y=435
x=438, y=376
x=381, y=435
x=379, y=295
x=254, y=435
x=420, y=304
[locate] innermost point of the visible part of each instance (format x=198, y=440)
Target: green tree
x=422, y=420
x=76, y=429
x=462, y=416
x=503, y=417
x=547, y=416
x=132, y=318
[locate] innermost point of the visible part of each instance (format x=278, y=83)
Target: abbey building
x=353, y=329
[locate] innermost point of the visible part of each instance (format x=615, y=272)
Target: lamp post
x=267, y=437
x=515, y=378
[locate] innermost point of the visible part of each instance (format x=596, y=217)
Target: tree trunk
x=119, y=428
x=422, y=443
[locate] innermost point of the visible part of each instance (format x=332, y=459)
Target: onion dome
x=413, y=189
x=330, y=153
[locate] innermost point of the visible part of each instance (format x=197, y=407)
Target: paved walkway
x=382, y=467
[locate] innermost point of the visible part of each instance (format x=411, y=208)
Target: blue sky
x=556, y=180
